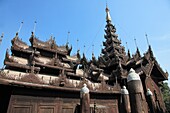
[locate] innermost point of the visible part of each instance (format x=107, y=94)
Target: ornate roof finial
x=148, y=42
x=92, y=48
x=77, y=44
x=108, y=17
x=150, y=49
x=128, y=50
x=51, y=37
x=32, y=34
x=136, y=43
x=147, y=39
x=137, y=51
x=84, y=48
x=1, y=37
x=78, y=54
x=93, y=57
x=20, y=27
x=16, y=36
x=127, y=45
x=68, y=37
x=34, y=26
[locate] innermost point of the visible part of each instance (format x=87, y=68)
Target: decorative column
x=136, y=93
x=125, y=100
x=151, y=104
x=84, y=99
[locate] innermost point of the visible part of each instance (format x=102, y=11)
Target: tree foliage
x=166, y=95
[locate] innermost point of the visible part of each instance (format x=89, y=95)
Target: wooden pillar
x=137, y=99
x=85, y=99
x=151, y=104
x=125, y=100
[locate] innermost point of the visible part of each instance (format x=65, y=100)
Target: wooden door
x=29, y=104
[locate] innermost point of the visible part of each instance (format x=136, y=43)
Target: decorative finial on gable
x=35, y=23
x=20, y=27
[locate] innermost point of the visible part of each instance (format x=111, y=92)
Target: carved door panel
x=20, y=105
x=28, y=104
x=22, y=109
x=67, y=110
x=47, y=105
x=46, y=109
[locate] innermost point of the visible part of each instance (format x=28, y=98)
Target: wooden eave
x=50, y=50
x=156, y=68
x=105, y=44
x=73, y=75
x=21, y=66
x=111, y=54
x=115, y=40
x=132, y=63
x=109, y=41
x=14, y=48
x=18, y=41
x=109, y=48
x=54, y=67
x=68, y=60
x=105, y=36
x=113, y=34
x=35, y=41
x=162, y=75
x=43, y=86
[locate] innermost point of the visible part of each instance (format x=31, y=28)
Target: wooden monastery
x=45, y=78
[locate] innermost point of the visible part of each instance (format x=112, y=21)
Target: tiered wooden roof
x=44, y=62
x=51, y=65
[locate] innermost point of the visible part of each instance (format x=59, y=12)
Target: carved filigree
x=31, y=78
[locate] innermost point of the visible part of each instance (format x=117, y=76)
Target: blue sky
x=85, y=19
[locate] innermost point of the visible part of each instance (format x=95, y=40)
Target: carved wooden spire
x=113, y=52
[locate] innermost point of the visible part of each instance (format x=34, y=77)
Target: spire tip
x=108, y=17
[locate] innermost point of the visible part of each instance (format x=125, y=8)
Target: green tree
x=166, y=95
